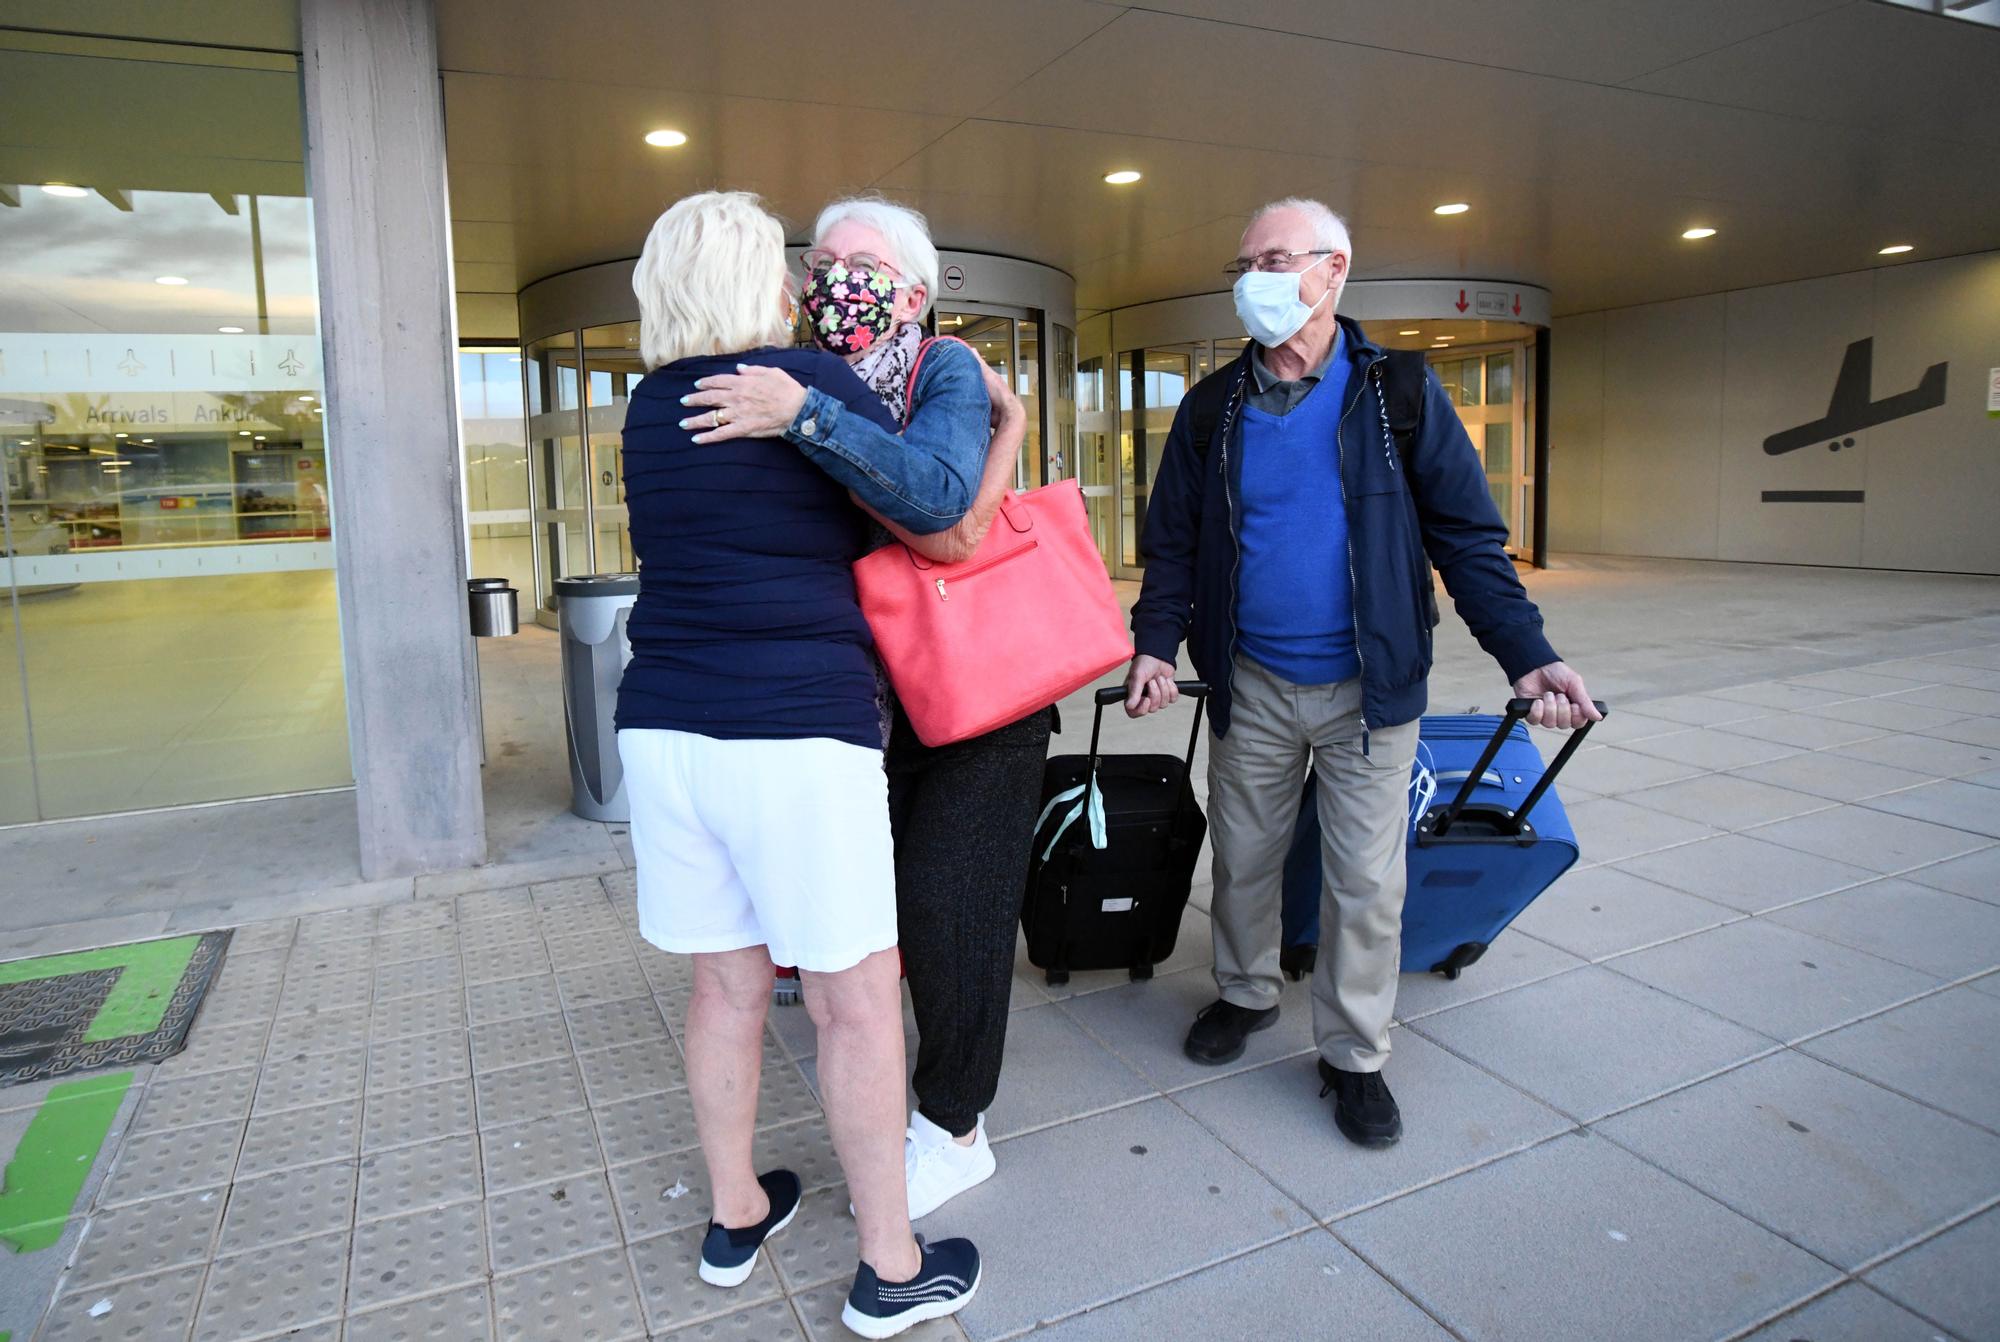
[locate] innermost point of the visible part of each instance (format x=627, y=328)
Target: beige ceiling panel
x=565, y=167
x=946, y=56
x=1601, y=42
x=483, y=277
x=1869, y=66
x=270, y=24
x=480, y=240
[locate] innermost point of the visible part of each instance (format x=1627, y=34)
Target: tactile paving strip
x=819, y=1246
x=155, y=1164
x=661, y=1194
x=588, y=1299
x=510, y=999
x=819, y=1310
x=147, y=1237
x=531, y=1226
x=417, y=1255
x=412, y=1178
x=295, y=1137
x=606, y=1024
x=674, y=1296
x=297, y=1204
x=462, y=1316
x=521, y=1093
x=535, y=1152
x=142, y=1310
x=652, y=1125
x=271, y=1290
x=45, y=1023
x=419, y=1114
x=608, y=982
x=522, y=1040
x=441, y=1010
x=417, y=1060
x=613, y=1074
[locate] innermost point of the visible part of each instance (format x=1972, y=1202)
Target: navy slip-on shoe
x=943, y=1285
x=729, y=1256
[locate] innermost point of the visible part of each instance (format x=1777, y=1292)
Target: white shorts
x=783, y=844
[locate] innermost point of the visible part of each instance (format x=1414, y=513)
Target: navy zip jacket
x=1437, y=505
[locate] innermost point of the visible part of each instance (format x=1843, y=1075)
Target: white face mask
x=1268, y=303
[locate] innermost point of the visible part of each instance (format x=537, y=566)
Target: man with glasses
x=1285, y=540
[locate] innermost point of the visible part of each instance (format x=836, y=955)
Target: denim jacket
x=923, y=479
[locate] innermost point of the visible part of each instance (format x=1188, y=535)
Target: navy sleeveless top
x=747, y=624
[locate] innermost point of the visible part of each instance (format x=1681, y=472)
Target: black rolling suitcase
x=1114, y=855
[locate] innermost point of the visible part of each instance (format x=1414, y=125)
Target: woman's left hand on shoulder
x=753, y=402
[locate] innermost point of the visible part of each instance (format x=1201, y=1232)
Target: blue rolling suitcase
x=1475, y=860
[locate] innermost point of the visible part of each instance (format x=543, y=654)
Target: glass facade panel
x=166, y=514
x=1096, y=433
x=1061, y=455
x=1499, y=379
x=611, y=359
x=494, y=429
x=1028, y=386
x=561, y=510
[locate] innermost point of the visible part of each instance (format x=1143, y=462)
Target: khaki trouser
x=1276, y=729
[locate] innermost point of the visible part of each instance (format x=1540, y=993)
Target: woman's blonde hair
x=710, y=279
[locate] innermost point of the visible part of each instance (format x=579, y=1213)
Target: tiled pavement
x=1740, y=1077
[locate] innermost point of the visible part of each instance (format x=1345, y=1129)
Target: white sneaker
x=938, y=1169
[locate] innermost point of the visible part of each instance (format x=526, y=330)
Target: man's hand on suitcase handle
x=1562, y=702
x=1149, y=686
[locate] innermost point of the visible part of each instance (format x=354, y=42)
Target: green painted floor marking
x=139, y=998
x=42, y=1181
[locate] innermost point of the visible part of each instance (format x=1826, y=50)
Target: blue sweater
x=747, y=625
x=1294, y=590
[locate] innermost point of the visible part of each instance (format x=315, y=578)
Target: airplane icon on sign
x=1850, y=410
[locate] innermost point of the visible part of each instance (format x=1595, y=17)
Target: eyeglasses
x=1271, y=260
x=818, y=262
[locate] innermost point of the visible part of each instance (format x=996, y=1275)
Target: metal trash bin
x=495, y=607
x=591, y=613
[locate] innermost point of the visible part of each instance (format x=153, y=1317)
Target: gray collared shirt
x=1277, y=397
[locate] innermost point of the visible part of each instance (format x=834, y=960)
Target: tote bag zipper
x=968, y=570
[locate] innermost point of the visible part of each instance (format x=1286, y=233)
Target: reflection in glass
x=1095, y=436
x=165, y=509
x=494, y=429
x=1499, y=379
x=555, y=447
x=1027, y=385
x=611, y=358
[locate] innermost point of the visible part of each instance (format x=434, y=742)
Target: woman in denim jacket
x=963, y=814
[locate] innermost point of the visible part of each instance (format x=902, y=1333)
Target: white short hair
x=1329, y=229
x=711, y=279
x=907, y=233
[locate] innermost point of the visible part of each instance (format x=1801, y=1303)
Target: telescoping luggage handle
x=1088, y=801
x=1514, y=822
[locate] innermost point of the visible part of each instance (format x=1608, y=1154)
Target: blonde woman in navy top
x=752, y=747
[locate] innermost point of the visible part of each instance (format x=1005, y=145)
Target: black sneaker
x=943, y=1285
x=1363, y=1109
x=729, y=1256
x=1298, y=962
x=1218, y=1033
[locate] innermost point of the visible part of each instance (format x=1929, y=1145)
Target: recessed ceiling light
x=319, y=410
x=1896, y=249
x=1456, y=207
x=145, y=440
x=1697, y=234
x=305, y=398
x=243, y=433
x=121, y=435
x=666, y=139
x=260, y=437
x=170, y=279
x=64, y=189
x=1444, y=337
x=1123, y=177
x=230, y=330
x=1411, y=331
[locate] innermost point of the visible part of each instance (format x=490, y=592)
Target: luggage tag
x=1088, y=801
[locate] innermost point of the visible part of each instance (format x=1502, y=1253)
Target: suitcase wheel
x=1055, y=978
x=1141, y=972
x=1454, y=964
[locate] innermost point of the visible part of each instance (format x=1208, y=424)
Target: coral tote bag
x=1031, y=617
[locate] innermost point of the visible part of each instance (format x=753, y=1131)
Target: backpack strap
x=1207, y=404
x=1400, y=378
x=917, y=366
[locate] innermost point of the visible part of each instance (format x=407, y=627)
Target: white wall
x=1659, y=413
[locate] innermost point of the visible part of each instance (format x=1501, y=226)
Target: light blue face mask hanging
x=1089, y=801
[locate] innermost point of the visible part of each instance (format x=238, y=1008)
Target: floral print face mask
x=846, y=310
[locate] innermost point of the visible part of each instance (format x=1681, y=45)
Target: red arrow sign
x=1517, y=305
x=1461, y=300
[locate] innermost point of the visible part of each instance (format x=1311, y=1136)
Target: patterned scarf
x=886, y=367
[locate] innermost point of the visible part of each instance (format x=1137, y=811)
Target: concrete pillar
x=375, y=169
